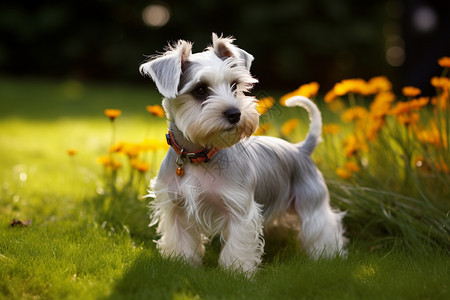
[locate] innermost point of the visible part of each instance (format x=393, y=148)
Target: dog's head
x=205, y=93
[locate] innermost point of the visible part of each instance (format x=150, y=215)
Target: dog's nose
x=233, y=115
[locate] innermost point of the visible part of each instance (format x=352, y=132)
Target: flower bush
x=385, y=157
x=127, y=169
x=387, y=160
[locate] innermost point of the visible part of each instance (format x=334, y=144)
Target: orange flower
x=417, y=104
x=131, y=149
x=109, y=162
x=330, y=96
x=331, y=129
x=337, y=106
x=308, y=90
x=374, y=125
x=379, y=84
x=71, y=152
x=442, y=83
x=352, y=86
x=352, y=166
x=411, y=91
x=113, y=113
x=409, y=106
x=347, y=171
x=400, y=108
x=343, y=173
x=139, y=165
x=441, y=100
x=354, y=113
x=155, y=110
x=264, y=104
x=431, y=136
x=116, y=147
x=354, y=143
x=381, y=104
x=289, y=126
x=442, y=167
x=408, y=119
x=444, y=62
x=351, y=145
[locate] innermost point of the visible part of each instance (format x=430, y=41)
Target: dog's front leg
x=243, y=241
x=179, y=238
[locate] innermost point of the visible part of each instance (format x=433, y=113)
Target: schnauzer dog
x=216, y=178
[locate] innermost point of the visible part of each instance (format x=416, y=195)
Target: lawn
x=85, y=234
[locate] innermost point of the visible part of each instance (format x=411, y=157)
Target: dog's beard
x=205, y=124
x=222, y=134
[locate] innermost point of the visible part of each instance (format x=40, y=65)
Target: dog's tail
x=315, y=128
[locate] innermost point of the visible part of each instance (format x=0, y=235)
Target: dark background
x=293, y=42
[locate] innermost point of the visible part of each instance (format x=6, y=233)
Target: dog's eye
x=200, y=92
x=234, y=85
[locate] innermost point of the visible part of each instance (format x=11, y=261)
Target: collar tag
x=194, y=157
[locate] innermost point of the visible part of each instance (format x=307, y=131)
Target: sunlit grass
x=87, y=243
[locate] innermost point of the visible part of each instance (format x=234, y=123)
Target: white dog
x=218, y=180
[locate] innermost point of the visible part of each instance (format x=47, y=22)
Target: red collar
x=194, y=157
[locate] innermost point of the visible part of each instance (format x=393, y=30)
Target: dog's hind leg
x=321, y=231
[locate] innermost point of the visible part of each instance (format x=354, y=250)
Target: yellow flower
x=289, y=126
x=331, y=129
x=262, y=129
x=116, y=147
x=308, y=90
x=155, y=110
x=71, y=152
x=113, y=113
x=354, y=113
x=264, y=104
x=444, y=62
x=131, y=149
x=139, y=165
x=411, y=91
x=109, y=162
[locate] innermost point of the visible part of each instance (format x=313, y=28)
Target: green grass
x=76, y=248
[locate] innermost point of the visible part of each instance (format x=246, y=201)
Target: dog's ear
x=165, y=70
x=224, y=48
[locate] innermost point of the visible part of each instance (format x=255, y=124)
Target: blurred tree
x=293, y=41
